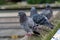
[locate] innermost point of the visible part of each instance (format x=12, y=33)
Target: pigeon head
x=33, y=11
x=48, y=6
x=23, y=16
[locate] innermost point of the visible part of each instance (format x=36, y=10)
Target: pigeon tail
x=49, y=25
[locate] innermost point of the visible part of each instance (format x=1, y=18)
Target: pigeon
x=40, y=19
x=47, y=11
x=26, y=22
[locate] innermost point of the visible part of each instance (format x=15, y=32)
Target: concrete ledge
x=27, y=6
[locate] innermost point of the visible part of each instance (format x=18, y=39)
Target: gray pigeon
x=26, y=22
x=40, y=19
x=47, y=11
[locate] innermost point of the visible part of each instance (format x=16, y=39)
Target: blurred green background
x=29, y=1
x=40, y=1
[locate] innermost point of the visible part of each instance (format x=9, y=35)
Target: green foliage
x=50, y=35
x=58, y=0
x=50, y=1
x=40, y=1
x=31, y=1
x=2, y=2
x=35, y=1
